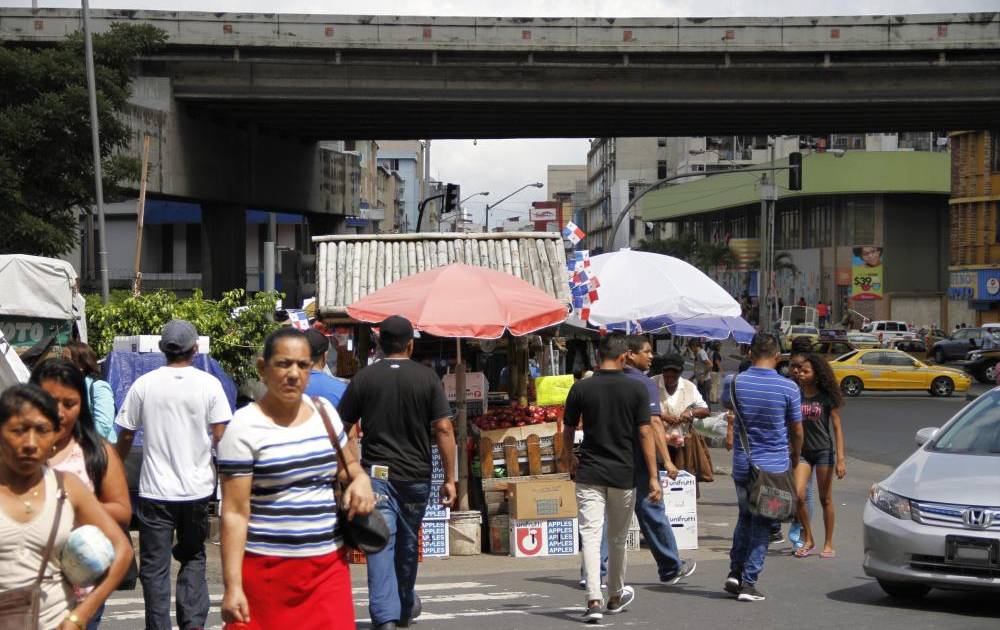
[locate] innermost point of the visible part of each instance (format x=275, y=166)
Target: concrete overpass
x=237, y=102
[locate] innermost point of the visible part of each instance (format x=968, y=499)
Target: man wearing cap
x=320, y=383
x=400, y=405
x=182, y=411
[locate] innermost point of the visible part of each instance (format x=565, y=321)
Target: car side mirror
x=925, y=435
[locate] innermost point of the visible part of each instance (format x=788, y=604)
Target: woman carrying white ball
x=32, y=509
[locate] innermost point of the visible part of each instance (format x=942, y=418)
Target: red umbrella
x=463, y=301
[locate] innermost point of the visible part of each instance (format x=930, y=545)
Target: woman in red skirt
x=283, y=563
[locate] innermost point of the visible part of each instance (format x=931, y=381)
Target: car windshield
x=803, y=329
x=846, y=356
x=975, y=431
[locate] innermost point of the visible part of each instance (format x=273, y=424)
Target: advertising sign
x=543, y=214
x=866, y=272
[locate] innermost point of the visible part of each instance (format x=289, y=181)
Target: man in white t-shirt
x=182, y=412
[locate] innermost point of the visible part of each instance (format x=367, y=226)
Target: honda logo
x=977, y=518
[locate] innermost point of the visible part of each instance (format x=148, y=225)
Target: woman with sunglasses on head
x=35, y=502
x=80, y=450
x=283, y=561
x=822, y=447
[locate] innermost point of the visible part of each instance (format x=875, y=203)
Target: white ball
x=86, y=556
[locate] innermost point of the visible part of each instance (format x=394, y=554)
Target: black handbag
x=771, y=495
x=368, y=533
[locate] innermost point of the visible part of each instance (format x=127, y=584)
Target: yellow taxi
x=888, y=369
x=800, y=330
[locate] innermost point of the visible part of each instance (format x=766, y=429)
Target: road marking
x=466, y=597
x=442, y=586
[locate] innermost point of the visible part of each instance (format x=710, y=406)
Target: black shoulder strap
x=744, y=438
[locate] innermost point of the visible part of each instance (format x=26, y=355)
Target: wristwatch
x=75, y=619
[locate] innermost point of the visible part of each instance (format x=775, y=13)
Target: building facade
x=566, y=184
x=867, y=234
x=405, y=157
x=974, y=291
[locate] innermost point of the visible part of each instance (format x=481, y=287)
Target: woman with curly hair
x=822, y=448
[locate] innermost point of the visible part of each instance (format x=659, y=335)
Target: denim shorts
x=822, y=457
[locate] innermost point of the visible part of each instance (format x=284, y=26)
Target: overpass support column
x=223, y=248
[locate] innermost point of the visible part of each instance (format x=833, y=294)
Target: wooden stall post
x=461, y=415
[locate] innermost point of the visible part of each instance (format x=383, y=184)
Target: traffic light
x=450, y=198
x=795, y=171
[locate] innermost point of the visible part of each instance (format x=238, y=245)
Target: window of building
x=661, y=142
x=661, y=169
x=817, y=224
x=788, y=229
x=916, y=140
x=847, y=142
x=192, y=246
x=864, y=222
x=738, y=226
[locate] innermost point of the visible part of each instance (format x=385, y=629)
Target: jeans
x=158, y=521
x=595, y=504
x=392, y=572
x=750, y=539
x=656, y=530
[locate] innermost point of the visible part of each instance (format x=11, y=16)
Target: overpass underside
x=359, y=94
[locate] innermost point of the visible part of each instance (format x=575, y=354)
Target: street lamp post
x=88, y=51
x=494, y=205
x=461, y=213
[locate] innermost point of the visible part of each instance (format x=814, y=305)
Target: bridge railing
x=895, y=32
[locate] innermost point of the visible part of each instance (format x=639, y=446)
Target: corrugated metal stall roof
x=350, y=266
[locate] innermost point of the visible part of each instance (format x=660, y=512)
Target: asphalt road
x=502, y=593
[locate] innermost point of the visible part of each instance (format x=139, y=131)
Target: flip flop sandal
x=828, y=554
x=804, y=553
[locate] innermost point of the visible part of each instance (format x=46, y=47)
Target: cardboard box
x=150, y=343
x=435, y=539
x=543, y=500
x=541, y=538
x=685, y=528
x=680, y=496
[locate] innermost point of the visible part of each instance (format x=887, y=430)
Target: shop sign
x=475, y=387
x=962, y=285
x=989, y=285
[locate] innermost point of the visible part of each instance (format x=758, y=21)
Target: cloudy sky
x=502, y=166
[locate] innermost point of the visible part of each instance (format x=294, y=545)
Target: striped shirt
x=768, y=403
x=293, y=512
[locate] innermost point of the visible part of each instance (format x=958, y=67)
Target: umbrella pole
x=462, y=430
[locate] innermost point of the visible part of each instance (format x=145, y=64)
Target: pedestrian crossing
x=442, y=602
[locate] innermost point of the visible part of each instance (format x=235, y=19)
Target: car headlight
x=890, y=503
x=975, y=356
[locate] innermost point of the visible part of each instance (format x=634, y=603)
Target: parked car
x=885, y=369
x=931, y=336
x=913, y=347
x=887, y=330
x=863, y=341
x=935, y=521
x=963, y=341
x=982, y=364
x=829, y=349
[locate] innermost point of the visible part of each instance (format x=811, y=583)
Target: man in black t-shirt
x=400, y=404
x=614, y=409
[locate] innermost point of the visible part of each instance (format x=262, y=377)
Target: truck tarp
x=32, y=286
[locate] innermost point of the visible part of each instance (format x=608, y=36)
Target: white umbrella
x=647, y=291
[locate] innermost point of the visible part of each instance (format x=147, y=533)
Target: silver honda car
x=935, y=522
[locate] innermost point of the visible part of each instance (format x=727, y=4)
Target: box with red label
x=541, y=538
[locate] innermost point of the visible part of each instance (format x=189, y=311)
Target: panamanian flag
x=573, y=233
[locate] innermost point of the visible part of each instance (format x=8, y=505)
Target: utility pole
x=95, y=139
x=768, y=197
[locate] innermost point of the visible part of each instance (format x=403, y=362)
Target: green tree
x=46, y=157
x=237, y=324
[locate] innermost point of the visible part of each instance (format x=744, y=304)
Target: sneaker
x=593, y=614
x=583, y=583
x=777, y=538
x=733, y=583
x=627, y=597
x=749, y=593
x=686, y=570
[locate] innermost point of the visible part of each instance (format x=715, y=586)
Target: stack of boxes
x=680, y=502
x=435, y=523
x=543, y=518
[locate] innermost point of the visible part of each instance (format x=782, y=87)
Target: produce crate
x=521, y=451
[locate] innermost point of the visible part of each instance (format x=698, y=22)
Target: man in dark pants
x=175, y=406
x=768, y=406
x=651, y=516
x=400, y=404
